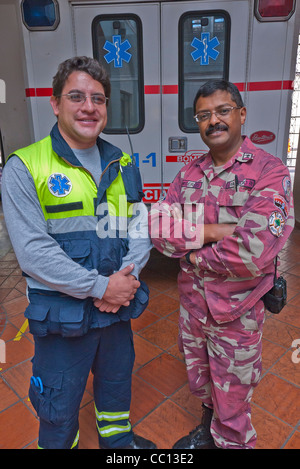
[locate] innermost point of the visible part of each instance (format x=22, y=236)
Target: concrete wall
x=13, y=113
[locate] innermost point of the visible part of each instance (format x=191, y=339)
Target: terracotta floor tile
x=164, y=333
x=17, y=352
x=15, y=306
x=144, y=399
x=8, y=396
x=271, y=353
x=165, y=373
x=10, y=331
x=10, y=256
x=287, y=369
x=291, y=315
x=295, y=270
x=18, y=427
x=163, y=305
x=4, y=292
x=10, y=282
x=176, y=353
x=278, y=397
x=293, y=281
x=18, y=378
x=293, y=442
x=143, y=320
x=188, y=401
x=173, y=291
x=166, y=425
x=279, y=332
x=271, y=432
x=144, y=351
x=174, y=316
x=14, y=293
x=295, y=300
x=88, y=435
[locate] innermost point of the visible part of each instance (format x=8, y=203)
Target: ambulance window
x=203, y=54
x=117, y=44
x=40, y=15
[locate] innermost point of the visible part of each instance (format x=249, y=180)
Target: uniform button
x=193, y=228
x=199, y=259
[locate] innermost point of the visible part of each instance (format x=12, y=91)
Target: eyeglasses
x=223, y=113
x=97, y=99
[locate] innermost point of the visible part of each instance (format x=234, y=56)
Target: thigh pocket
x=46, y=395
x=246, y=366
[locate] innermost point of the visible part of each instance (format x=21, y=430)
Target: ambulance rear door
x=158, y=55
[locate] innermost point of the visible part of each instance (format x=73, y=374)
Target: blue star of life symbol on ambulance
x=117, y=51
x=205, y=49
x=59, y=185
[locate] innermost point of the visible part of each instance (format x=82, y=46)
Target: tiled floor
x=162, y=407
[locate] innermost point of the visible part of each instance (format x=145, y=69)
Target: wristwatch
x=187, y=257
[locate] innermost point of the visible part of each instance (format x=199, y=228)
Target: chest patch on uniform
x=59, y=185
x=246, y=183
x=276, y=223
x=191, y=184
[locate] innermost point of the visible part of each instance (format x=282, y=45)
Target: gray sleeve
x=38, y=254
x=138, y=239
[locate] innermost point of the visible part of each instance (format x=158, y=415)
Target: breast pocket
x=79, y=250
x=231, y=204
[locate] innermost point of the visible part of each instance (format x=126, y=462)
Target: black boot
x=200, y=437
x=138, y=442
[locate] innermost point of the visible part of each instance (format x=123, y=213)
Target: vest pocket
x=62, y=315
x=78, y=250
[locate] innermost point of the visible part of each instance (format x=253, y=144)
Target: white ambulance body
x=158, y=53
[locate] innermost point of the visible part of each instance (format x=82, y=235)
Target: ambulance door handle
x=178, y=144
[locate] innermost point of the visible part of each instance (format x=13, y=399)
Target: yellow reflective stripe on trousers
x=75, y=442
x=113, y=428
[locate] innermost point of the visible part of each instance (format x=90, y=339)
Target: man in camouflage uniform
x=227, y=252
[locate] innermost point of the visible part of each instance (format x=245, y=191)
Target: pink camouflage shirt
x=252, y=190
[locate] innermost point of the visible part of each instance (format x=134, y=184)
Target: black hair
x=212, y=86
x=80, y=64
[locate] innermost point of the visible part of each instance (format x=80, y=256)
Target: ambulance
x=158, y=54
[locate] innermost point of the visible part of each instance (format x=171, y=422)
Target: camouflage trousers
x=224, y=365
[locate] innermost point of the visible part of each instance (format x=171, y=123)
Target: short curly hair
x=80, y=64
x=212, y=86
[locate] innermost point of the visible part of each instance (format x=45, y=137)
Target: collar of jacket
x=107, y=151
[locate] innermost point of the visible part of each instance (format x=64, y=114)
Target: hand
x=216, y=232
x=121, y=288
x=106, y=307
x=176, y=212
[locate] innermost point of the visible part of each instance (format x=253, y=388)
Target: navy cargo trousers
x=61, y=367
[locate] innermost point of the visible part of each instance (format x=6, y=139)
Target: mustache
x=215, y=128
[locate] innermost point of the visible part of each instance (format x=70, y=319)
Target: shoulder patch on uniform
x=281, y=203
x=286, y=184
x=276, y=223
x=59, y=185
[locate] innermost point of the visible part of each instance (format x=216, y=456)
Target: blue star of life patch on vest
x=59, y=185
